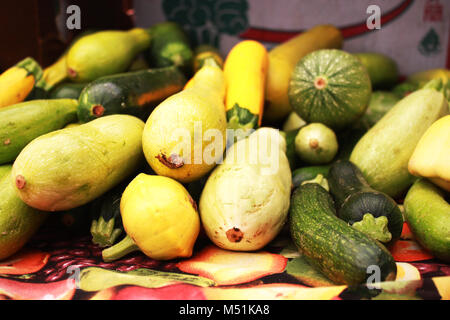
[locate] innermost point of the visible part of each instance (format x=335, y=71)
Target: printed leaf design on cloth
x=106, y=294
x=443, y=286
x=406, y=232
x=394, y=296
x=24, y=262
x=96, y=279
x=229, y=267
x=409, y=250
x=273, y=291
x=173, y=292
x=59, y=290
x=406, y=271
x=407, y=287
x=307, y=274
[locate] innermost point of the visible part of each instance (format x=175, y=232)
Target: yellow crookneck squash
x=431, y=157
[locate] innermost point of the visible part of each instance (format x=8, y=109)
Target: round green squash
x=330, y=86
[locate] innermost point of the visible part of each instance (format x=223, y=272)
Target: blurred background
x=413, y=32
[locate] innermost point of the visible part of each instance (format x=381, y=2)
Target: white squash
x=245, y=201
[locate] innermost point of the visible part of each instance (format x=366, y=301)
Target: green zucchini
x=170, y=46
x=23, y=122
x=303, y=174
x=67, y=90
x=354, y=198
x=427, y=213
x=342, y=253
x=135, y=93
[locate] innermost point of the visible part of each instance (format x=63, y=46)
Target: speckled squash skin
x=339, y=251
x=18, y=222
x=68, y=168
x=428, y=215
x=330, y=86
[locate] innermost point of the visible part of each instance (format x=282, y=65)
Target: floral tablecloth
x=61, y=265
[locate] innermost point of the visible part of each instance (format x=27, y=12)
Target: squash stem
x=119, y=250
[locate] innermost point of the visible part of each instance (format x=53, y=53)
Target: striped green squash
x=330, y=86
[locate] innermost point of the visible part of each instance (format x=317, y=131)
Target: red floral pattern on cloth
x=45, y=268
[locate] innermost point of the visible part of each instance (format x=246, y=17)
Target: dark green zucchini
x=67, y=90
x=303, y=174
x=135, y=93
x=354, y=198
x=380, y=103
x=341, y=252
x=170, y=46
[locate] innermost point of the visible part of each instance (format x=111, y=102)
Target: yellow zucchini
x=17, y=82
x=282, y=60
x=245, y=73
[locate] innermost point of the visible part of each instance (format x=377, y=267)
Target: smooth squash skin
x=171, y=141
x=282, y=60
x=382, y=154
x=160, y=219
x=104, y=53
x=339, y=251
x=245, y=201
x=18, y=82
x=25, y=121
x=18, y=222
x=73, y=166
x=431, y=157
x=428, y=216
x=245, y=73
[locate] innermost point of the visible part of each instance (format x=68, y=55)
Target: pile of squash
x=152, y=140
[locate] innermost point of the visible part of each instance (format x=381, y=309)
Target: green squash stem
x=119, y=250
